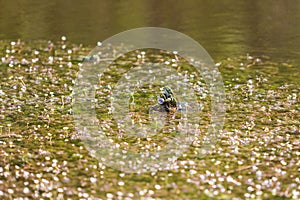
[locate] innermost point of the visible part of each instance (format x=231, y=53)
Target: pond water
x=227, y=28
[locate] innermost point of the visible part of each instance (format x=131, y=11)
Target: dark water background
x=225, y=28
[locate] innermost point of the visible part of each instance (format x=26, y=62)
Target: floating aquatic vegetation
x=256, y=156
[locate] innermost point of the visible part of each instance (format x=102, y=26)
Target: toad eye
x=160, y=100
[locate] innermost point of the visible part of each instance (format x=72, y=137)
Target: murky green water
x=255, y=46
x=225, y=28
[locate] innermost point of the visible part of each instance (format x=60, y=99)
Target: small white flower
x=109, y=195
x=26, y=190
x=99, y=44
x=158, y=187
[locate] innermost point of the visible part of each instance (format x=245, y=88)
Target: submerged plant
x=256, y=157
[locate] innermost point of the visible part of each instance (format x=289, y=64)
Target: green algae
x=41, y=156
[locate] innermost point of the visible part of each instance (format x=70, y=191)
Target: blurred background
x=224, y=28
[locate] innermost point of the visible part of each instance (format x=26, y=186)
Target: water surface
x=225, y=28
